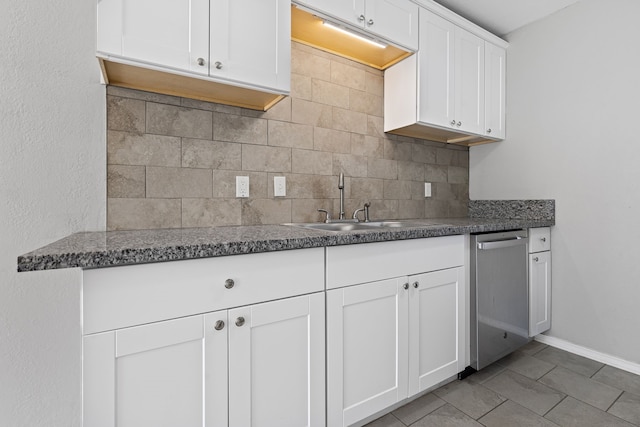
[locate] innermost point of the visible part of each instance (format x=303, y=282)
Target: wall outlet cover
x=242, y=186
x=279, y=186
x=427, y=189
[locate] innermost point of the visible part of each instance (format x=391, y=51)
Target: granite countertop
x=115, y=248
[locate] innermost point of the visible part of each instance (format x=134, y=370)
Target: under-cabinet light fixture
x=357, y=36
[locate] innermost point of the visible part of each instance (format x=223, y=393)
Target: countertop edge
x=51, y=257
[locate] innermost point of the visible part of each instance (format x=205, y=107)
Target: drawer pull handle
x=416, y=285
x=536, y=259
x=406, y=286
x=229, y=283
x=544, y=239
x=240, y=321
x=219, y=325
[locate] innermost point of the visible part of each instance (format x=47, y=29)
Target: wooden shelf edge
x=151, y=80
x=442, y=135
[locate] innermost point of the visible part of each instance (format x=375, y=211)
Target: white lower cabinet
x=436, y=319
x=390, y=339
x=539, y=292
x=232, y=341
x=367, y=344
x=539, y=280
x=259, y=365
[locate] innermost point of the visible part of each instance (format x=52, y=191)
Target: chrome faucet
x=341, y=188
x=366, y=212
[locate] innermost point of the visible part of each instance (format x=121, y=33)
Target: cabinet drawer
x=354, y=264
x=118, y=297
x=539, y=239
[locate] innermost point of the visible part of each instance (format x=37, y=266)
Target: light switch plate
x=242, y=186
x=427, y=189
x=279, y=186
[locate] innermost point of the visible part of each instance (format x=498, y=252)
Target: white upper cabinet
x=494, y=93
x=158, y=46
x=250, y=41
x=174, y=35
x=436, y=100
x=469, y=82
x=445, y=91
x=395, y=21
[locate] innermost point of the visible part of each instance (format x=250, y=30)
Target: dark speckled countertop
x=113, y=248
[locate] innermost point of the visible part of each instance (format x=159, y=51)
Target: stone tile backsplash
x=172, y=162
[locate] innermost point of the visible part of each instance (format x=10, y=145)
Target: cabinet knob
x=370, y=22
x=416, y=285
x=489, y=130
x=219, y=325
x=229, y=283
x=361, y=18
x=406, y=286
x=536, y=259
x=200, y=61
x=544, y=239
x=240, y=321
x=453, y=122
x=459, y=124
x=218, y=65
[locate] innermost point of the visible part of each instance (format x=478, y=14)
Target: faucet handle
x=366, y=211
x=327, y=217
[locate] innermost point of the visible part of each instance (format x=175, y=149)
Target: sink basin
x=334, y=226
x=356, y=226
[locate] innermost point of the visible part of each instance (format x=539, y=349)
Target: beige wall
x=172, y=162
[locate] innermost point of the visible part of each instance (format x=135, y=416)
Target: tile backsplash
x=172, y=162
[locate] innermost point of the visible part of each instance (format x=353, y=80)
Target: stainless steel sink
x=358, y=226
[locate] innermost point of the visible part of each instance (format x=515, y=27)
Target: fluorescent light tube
x=357, y=36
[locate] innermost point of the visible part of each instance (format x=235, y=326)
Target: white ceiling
x=503, y=16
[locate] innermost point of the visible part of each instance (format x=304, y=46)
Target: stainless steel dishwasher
x=499, y=295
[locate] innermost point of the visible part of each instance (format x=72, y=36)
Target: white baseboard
x=607, y=359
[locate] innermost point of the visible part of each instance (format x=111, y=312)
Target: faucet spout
x=341, y=188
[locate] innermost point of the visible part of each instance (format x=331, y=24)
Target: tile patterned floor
x=537, y=386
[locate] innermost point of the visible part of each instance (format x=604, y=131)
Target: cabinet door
x=174, y=34
x=435, y=71
x=276, y=363
x=436, y=325
x=346, y=10
x=539, y=292
x=469, y=82
x=494, y=93
x=163, y=374
x=366, y=349
x=395, y=20
x=251, y=42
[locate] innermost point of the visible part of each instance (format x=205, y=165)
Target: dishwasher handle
x=499, y=244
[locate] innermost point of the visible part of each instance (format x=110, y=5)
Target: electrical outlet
x=242, y=186
x=279, y=186
x=427, y=189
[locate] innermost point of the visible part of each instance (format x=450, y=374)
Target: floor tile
x=447, y=416
x=627, y=407
x=619, y=379
x=573, y=413
x=579, y=364
x=533, y=347
x=582, y=388
x=413, y=411
x=473, y=399
x=386, y=421
x=525, y=391
x=486, y=374
x=526, y=365
x=512, y=414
